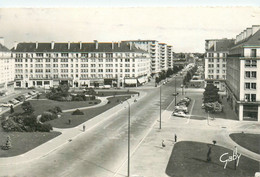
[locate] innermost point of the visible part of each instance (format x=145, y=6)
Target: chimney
x=96, y=44
x=215, y=45
x=248, y=32
x=52, y=45
x=113, y=45
x=130, y=45
x=2, y=41
x=15, y=45
x=255, y=28
x=36, y=44
x=118, y=43
x=244, y=34
x=80, y=45
x=68, y=44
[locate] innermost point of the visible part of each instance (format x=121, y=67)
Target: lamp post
x=175, y=91
x=160, y=124
x=128, y=140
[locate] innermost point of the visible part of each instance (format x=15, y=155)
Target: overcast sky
x=186, y=28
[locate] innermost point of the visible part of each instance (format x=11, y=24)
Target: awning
x=130, y=81
x=141, y=80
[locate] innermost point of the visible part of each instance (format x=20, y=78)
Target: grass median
x=190, y=159
x=248, y=141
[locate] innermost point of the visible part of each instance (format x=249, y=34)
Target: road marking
x=138, y=145
x=191, y=111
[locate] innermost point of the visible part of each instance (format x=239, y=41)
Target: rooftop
x=3, y=48
x=77, y=47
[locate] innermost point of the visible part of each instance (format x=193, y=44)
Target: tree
x=211, y=93
x=27, y=107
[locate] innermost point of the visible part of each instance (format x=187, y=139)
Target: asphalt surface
x=103, y=150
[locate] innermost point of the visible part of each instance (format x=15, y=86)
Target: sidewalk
x=150, y=159
x=67, y=136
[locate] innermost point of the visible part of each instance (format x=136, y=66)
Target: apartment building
x=243, y=74
x=6, y=69
x=163, y=56
x=153, y=48
x=215, y=61
x=169, y=56
x=80, y=64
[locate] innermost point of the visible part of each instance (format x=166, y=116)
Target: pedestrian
x=163, y=145
x=84, y=127
x=69, y=121
x=175, y=138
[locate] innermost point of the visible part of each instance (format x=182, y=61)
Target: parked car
x=6, y=104
x=20, y=98
x=35, y=91
x=14, y=101
x=32, y=93
x=180, y=114
x=181, y=108
x=26, y=95
x=175, y=94
x=183, y=103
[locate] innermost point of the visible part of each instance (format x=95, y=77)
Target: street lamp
x=175, y=90
x=160, y=125
x=128, y=146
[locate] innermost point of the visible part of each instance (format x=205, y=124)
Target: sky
x=184, y=26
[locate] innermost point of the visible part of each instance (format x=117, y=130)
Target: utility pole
x=175, y=91
x=160, y=125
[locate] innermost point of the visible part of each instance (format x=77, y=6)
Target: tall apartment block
x=215, y=61
x=163, y=56
x=243, y=74
x=6, y=69
x=158, y=53
x=80, y=64
x=169, y=56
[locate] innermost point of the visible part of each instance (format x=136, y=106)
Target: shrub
x=46, y=116
x=77, y=112
x=43, y=127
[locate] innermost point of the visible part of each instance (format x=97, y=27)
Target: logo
x=225, y=158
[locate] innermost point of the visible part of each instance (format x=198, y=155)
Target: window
x=253, y=85
x=253, y=97
x=223, y=65
x=247, y=74
x=250, y=63
x=253, y=53
x=247, y=85
x=253, y=74
x=247, y=97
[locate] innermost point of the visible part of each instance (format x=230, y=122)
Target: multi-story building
x=215, y=61
x=243, y=74
x=163, y=57
x=80, y=64
x=153, y=48
x=169, y=56
x=6, y=69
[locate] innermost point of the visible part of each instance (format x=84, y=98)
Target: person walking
x=84, y=127
x=69, y=121
x=163, y=145
x=175, y=138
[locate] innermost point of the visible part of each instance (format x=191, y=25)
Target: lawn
x=189, y=159
x=248, y=141
x=43, y=105
x=88, y=114
x=24, y=141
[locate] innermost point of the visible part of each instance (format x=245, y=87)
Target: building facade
x=169, y=56
x=80, y=64
x=6, y=69
x=215, y=61
x=163, y=57
x=243, y=74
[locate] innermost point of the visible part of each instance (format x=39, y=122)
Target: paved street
x=91, y=153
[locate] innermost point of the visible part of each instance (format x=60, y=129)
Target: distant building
x=243, y=74
x=80, y=64
x=160, y=53
x=6, y=69
x=215, y=61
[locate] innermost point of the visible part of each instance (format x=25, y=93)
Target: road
x=103, y=150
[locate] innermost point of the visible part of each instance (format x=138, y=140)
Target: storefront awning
x=141, y=80
x=130, y=81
